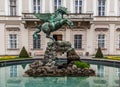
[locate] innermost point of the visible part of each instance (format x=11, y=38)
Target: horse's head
x=69, y=23
x=63, y=10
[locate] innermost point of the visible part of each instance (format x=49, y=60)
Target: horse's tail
x=35, y=35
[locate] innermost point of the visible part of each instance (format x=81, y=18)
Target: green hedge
x=99, y=53
x=24, y=53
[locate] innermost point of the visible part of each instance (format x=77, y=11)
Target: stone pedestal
x=60, y=49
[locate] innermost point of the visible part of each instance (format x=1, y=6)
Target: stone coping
x=16, y=62
x=106, y=62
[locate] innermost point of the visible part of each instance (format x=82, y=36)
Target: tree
x=99, y=53
x=23, y=53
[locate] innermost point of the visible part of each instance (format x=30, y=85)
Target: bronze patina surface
x=52, y=22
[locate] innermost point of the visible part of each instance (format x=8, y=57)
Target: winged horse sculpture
x=52, y=22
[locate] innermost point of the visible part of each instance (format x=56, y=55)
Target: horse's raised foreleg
x=48, y=36
x=35, y=35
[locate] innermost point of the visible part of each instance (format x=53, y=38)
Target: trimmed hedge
x=23, y=53
x=99, y=53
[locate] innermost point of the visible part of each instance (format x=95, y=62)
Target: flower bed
x=110, y=57
x=11, y=58
x=113, y=57
x=7, y=57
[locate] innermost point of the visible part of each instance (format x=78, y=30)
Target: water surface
x=12, y=76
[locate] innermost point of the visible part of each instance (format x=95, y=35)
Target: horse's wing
x=45, y=17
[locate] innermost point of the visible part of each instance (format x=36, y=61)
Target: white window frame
x=78, y=41
x=15, y=41
x=119, y=7
x=57, y=4
x=37, y=42
x=37, y=6
x=119, y=41
x=11, y=12
x=102, y=7
x=101, y=40
x=78, y=6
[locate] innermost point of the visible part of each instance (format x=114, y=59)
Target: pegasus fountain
x=50, y=66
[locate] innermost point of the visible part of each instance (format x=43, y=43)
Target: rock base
x=50, y=68
x=37, y=70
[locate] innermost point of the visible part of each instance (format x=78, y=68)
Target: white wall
x=2, y=39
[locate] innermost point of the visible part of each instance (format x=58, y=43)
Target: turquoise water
x=12, y=76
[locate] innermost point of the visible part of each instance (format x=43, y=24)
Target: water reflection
x=101, y=71
x=12, y=76
x=13, y=71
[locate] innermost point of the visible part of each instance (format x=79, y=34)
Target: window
x=101, y=7
x=12, y=41
x=12, y=7
x=78, y=41
x=36, y=42
x=101, y=40
x=78, y=6
x=13, y=71
x=100, y=70
x=119, y=7
x=57, y=4
x=36, y=6
x=119, y=40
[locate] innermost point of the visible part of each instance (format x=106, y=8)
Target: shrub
x=99, y=53
x=23, y=53
x=81, y=65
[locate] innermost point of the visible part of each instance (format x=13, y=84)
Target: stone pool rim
x=112, y=63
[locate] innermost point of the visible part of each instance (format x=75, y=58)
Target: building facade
x=96, y=24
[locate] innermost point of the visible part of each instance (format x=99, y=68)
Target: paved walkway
x=82, y=57
x=86, y=57
x=97, y=59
